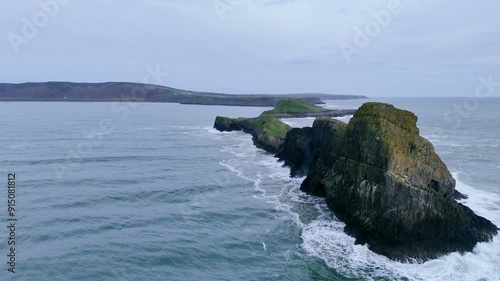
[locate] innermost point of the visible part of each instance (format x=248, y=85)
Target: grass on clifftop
x=270, y=126
x=295, y=106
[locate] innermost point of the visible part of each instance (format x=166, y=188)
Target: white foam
x=308, y=122
x=201, y=131
x=19, y=146
x=299, y=122
x=146, y=129
x=325, y=239
x=344, y=119
x=323, y=236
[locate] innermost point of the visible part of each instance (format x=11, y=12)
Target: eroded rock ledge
x=379, y=177
x=386, y=183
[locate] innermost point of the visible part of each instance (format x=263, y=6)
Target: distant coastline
x=137, y=92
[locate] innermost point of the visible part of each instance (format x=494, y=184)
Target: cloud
x=259, y=46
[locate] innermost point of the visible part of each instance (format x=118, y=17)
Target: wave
x=344, y=119
x=323, y=236
x=299, y=122
x=308, y=121
x=325, y=239
x=202, y=131
x=22, y=145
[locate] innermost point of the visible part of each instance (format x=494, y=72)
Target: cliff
x=386, y=183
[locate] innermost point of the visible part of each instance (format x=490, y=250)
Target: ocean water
x=152, y=192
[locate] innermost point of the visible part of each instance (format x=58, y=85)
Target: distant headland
x=137, y=92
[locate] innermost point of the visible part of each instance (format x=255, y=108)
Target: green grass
x=292, y=106
x=274, y=128
x=270, y=126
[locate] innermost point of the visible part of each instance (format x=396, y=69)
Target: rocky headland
x=267, y=131
x=381, y=178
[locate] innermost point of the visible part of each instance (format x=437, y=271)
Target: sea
x=150, y=191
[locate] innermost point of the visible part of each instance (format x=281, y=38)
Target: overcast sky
x=426, y=48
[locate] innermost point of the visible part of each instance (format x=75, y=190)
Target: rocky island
x=379, y=176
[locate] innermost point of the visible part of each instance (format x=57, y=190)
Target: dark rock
x=459, y=196
x=379, y=177
x=304, y=147
x=298, y=151
x=390, y=187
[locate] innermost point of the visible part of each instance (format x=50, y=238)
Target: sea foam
x=324, y=237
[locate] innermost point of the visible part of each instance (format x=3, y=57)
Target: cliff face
x=298, y=151
x=386, y=183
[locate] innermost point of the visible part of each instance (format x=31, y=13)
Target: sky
x=368, y=47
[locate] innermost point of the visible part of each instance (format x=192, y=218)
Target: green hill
x=292, y=106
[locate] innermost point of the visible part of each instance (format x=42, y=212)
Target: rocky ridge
x=379, y=177
x=386, y=183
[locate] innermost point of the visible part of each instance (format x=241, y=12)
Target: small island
x=378, y=175
x=292, y=108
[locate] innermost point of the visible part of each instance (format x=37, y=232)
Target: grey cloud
x=260, y=46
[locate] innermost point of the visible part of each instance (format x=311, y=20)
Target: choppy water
x=163, y=196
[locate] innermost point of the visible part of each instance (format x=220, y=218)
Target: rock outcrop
x=298, y=151
x=267, y=132
x=386, y=183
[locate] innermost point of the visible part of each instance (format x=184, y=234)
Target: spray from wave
x=323, y=236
